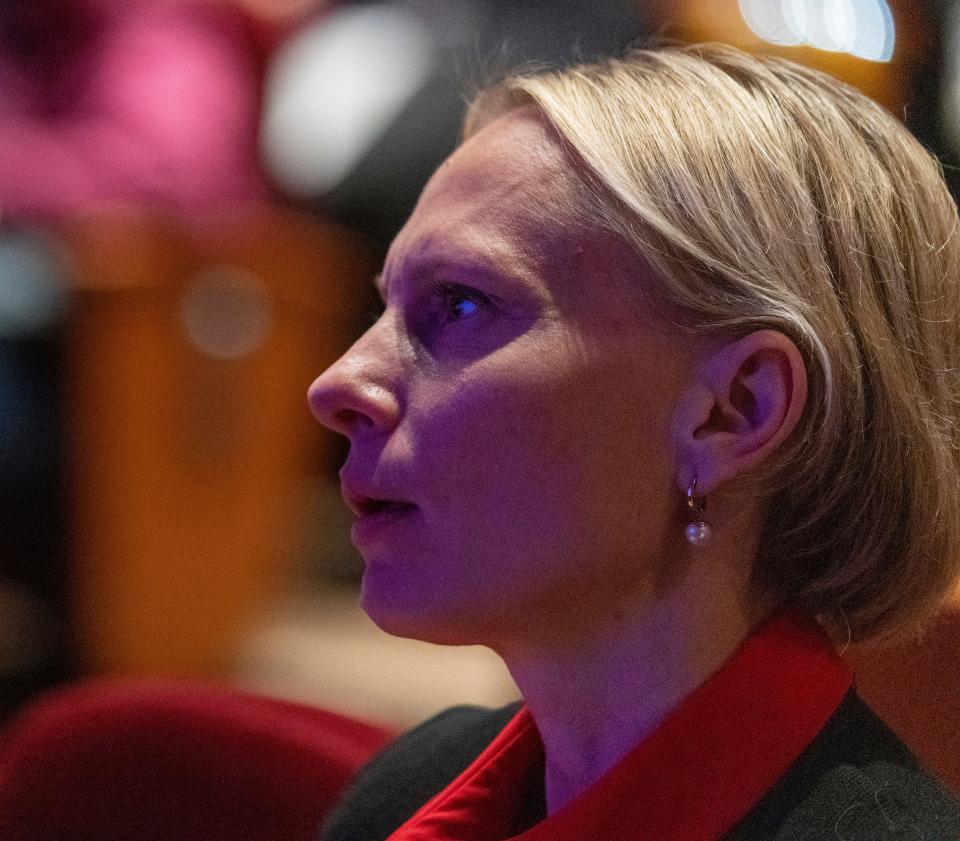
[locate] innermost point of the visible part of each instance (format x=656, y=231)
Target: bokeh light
x=32, y=293
x=862, y=28
x=226, y=312
x=335, y=89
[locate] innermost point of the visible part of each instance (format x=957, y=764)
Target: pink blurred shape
x=152, y=104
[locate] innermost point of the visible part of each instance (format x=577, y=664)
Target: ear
x=744, y=399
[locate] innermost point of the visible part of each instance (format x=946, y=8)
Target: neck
x=593, y=702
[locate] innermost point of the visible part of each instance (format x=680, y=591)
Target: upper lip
x=361, y=497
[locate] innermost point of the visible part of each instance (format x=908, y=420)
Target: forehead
x=517, y=153
x=506, y=195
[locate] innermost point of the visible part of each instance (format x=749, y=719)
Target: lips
x=378, y=513
x=364, y=501
x=376, y=506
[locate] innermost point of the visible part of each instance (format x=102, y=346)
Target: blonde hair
x=766, y=194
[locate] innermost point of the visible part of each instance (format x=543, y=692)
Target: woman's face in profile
x=516, y=394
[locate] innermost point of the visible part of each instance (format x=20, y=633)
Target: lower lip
x=371, y=526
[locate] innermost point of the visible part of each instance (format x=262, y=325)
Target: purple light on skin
x=379, y=525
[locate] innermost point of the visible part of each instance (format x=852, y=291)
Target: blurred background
x=194, y=197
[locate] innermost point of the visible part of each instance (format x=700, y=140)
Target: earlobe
x=744, y=401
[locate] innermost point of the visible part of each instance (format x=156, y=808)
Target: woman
x=665, y=396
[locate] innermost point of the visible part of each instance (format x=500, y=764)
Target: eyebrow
x=466, y=268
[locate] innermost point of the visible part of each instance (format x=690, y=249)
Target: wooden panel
x=184, y=466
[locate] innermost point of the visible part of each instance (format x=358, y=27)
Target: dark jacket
x=855, y=782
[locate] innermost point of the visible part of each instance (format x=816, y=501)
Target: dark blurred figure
x=35, y=646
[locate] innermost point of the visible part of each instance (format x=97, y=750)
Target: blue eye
x=458, y=303
x=463, y=306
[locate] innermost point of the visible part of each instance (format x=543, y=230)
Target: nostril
x=331, y=407
x=346, y=418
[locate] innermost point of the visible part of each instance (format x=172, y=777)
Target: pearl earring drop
x=698, y=532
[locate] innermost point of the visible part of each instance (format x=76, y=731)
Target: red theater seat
x=145, y=761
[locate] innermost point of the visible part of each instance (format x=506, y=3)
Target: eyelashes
x=452, y=301
x=445, y=305
x=452, y=294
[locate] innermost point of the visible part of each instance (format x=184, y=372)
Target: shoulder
x=411, y=770
x=855, y=782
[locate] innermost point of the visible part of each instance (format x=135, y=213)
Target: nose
x=358, y=393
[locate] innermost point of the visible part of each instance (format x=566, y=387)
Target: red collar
x=695, y=776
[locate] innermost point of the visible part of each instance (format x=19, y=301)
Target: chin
x=415, y=620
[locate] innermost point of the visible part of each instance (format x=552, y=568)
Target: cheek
x=535, y=492
x=509, y=444
x=541, y=457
